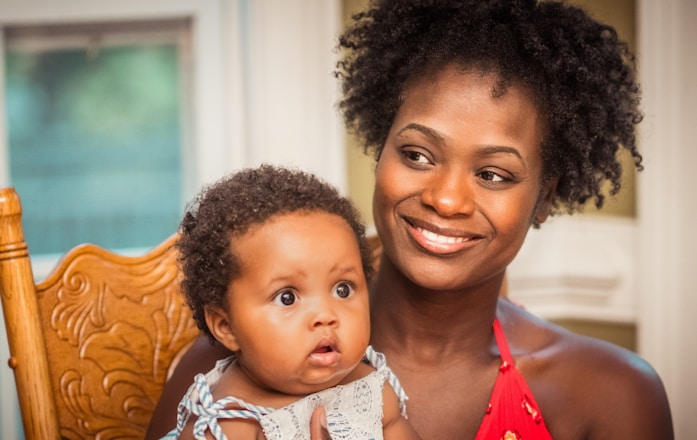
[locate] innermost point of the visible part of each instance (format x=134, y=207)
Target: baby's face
x=299, y=310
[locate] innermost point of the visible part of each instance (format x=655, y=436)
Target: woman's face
x=297, y=315
x=458, y=181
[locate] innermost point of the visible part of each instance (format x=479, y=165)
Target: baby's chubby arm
x=394, y=425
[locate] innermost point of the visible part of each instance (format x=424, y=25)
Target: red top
x=513, y=413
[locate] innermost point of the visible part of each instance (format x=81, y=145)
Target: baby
x=274, y=266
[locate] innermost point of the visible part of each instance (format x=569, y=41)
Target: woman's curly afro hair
x=229, y=207
x=578, y=71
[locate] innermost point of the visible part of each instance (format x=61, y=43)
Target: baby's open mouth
x=325, y=355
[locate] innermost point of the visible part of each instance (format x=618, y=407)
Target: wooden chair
x=91, y=345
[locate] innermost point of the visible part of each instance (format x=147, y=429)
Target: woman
x=486, y=117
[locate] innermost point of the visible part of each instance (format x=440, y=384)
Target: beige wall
x=360, y=167
x=622, y=15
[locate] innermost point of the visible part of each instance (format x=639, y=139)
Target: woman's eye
x=285, y=298
x=343, y=290
x=492, y=176
x=416, y=156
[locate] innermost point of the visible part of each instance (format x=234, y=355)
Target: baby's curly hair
x=228, y=208
x=578, y=71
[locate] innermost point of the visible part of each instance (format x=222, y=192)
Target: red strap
x=512, y=412
x=502, y=343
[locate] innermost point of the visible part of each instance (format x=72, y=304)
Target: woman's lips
x=441, y=239
x=441, y=242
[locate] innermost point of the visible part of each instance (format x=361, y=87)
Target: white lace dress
x=354, y=410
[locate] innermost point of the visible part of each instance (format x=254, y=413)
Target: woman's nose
x=449, y=193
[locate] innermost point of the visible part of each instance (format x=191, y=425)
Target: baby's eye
x=343, y=290
x=285, y=298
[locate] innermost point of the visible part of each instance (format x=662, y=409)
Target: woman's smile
x=441, y=241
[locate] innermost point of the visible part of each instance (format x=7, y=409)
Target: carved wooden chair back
x=92, y=344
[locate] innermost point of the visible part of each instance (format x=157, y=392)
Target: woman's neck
x=431, y=324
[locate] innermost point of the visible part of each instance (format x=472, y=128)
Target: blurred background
x=116, y=113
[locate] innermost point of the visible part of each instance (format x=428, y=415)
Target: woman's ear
x=218, y=323
x=544, y=201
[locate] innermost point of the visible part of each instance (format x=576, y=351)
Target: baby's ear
x=218, y=323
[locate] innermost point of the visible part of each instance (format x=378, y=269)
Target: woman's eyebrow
x=496, y=149
x=427, y=131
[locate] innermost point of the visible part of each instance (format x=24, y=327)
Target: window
x=96, y=125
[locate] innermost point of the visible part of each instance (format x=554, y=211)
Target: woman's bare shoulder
x=552, y=346
x=609, y=389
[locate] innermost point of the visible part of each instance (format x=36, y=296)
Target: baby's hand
x=318, y=425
